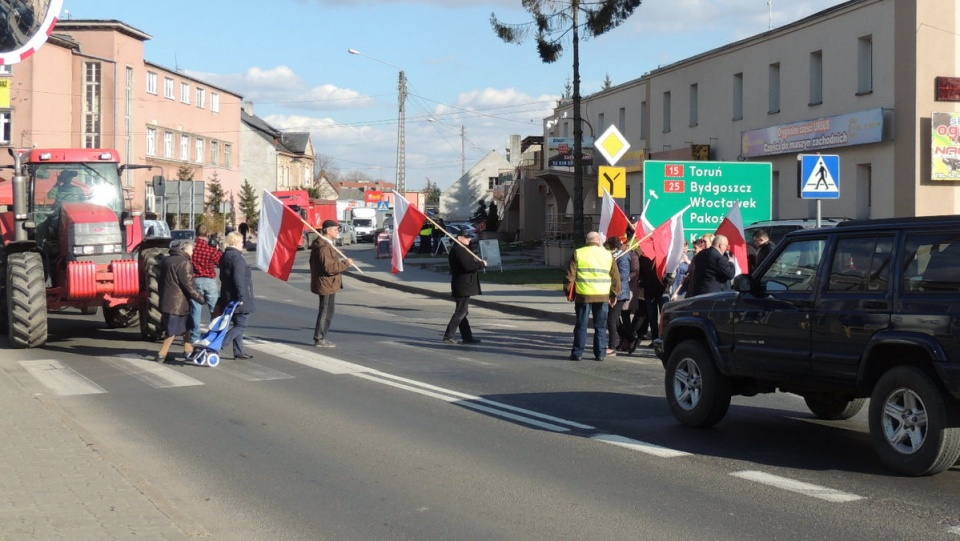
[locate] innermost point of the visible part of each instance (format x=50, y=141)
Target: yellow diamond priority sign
x=612, y=145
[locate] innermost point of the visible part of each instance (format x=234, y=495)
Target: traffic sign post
x=710, y=189
x=819, y=176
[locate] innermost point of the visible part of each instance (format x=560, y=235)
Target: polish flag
x=732, y=228
x=646, y=234
x=667, y=241
x=613, y=221
x=281, y=231
x=407, y=223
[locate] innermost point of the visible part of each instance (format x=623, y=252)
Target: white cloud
x=282, y=87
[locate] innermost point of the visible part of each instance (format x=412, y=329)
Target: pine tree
x=248, y=205
x=556, y=21
x=216, y=196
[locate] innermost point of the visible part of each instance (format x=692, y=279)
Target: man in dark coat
x=326, y=267
x=236, y=284
x=763, y=246
x=177, y=287
x=712, y=268
x=464, y=283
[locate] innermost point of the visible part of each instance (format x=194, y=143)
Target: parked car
x=156, y=229
x=777, y=229
x=180, y=235
x=866, y=309
x=347, y=234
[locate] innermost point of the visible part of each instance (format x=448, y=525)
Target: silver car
x=347, y=234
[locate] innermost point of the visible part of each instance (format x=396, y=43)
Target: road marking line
x=466, y=403
x=799, y=487
x=954, y=530
x=249, y=371
x=155, y=375
x=59, y=378
x=638, y=445
x=307, y=358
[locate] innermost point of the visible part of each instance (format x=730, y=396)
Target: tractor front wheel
x=26, y=300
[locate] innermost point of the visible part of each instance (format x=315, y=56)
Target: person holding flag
x=464, y=283
x=326, y=268
x=713, y=268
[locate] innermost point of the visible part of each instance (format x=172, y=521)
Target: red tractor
x=70, y=241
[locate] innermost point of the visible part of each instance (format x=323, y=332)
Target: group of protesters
x=619, y=287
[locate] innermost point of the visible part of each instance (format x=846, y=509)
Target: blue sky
x=290, y=58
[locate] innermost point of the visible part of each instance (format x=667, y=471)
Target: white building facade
x=861, y=80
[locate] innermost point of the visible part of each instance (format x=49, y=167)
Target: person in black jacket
x=177, y=287
x=712, y=268
x=763, y=246
x=464, y=283
x=236, y=284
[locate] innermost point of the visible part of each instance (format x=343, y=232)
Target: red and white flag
x=668, y=245
x=645, y=234
x=281, y=231
x=613, y=221
x=732, y=228
x=407, y=223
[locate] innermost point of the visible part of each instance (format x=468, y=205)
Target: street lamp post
x=401, y=123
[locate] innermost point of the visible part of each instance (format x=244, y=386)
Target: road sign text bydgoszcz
x=710, y=189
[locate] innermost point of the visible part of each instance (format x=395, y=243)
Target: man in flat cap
x=326, y=266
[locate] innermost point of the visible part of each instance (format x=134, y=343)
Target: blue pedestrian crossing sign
x=819, y=176
x=382, y=205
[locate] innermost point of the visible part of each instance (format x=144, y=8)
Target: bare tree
x=554, y=20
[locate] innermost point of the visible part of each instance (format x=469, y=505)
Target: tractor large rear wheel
x=26, y=300
x=150, y=316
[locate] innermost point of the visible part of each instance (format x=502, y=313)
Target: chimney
x=248, y=107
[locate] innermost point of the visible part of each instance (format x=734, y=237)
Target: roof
x=66, y=25
x=290, y=142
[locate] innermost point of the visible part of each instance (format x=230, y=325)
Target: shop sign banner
x=945, y=142
x=560, y=151
x=858, y=128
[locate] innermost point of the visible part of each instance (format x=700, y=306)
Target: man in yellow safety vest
x=592, y=282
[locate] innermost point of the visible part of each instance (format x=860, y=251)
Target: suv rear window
x=932, y=263
x=795, y=269
x=861, y=264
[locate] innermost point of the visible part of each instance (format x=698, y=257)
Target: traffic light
x=159, y=185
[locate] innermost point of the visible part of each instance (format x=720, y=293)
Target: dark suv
x=866, y=309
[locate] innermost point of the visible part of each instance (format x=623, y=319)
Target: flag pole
x=330, y=242
x=634, y=244
x=452, y=237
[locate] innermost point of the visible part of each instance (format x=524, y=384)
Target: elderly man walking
x=593, y=281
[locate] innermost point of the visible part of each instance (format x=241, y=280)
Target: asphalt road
x=393, y=435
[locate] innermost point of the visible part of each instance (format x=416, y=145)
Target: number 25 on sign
x=674, y=186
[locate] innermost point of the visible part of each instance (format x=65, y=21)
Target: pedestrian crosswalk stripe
x=60, y=378
x=637, y=445
x=306, y=358
x=249, y=371
x=155, y=375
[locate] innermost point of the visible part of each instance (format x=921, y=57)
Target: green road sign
x=710, y=189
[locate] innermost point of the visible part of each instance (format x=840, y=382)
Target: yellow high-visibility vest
x=593, y=270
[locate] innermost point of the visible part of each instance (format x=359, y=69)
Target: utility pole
x=402, y=136
x=463, y=152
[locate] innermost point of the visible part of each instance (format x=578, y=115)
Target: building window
x=864, y=65
x=215, y=102
x=201, y=97
x=185, y=93
x=491, y=182
x=215, y=152
x=738, y=96
x=666, y=112
x=199, y=150
x=91, y=105
x=184, y=147
x=6, y=70
x=600, y=123
x=168, y=88
x=773, y=100
x=694, y=105
x=151, y=141
x=151, y=82
x=622, y=121
x=168, y=144
x=6, y=126
x=227, y=154
x=644, y=120
x=816, y=78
